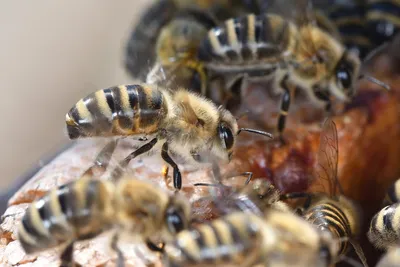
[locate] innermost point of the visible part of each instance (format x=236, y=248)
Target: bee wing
x=325, y=173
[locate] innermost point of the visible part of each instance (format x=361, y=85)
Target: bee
x=85, y=208
x=256, y=196
x=383, y=20
x=183, y=124
x=382, y=232
x=391, y=258
x=270, y=47
x=245, y=239
x=325, y=208
x=349, y=17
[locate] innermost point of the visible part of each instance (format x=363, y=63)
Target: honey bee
x=349, y=17
x=391, y=258
x=254, y=196
x=383, y=20
x=292, y=55
x=184, y=124
x=383, y=232
x=85, y=208
x=245, y=239
x=328, y=210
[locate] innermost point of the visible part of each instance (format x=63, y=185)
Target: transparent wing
x=325, y=173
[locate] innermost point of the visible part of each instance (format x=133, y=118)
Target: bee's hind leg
x=117, y=172
x=67, y=258
x=120, y=255
x=103, y=158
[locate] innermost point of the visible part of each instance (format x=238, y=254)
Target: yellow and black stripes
x=330, y=217
x=384, y=230
x=350, y=21
x=383, y=20
x=246, y=40
x=223, y=241
x=63, y=214
x=393, y=193
x=117, y=111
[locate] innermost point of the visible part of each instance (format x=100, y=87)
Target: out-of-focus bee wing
x=140, y=48
x=325, y=173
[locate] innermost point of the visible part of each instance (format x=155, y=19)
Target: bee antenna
x=256, y=132
x=374, y=80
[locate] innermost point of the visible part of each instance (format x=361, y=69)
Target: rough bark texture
x=369, y=146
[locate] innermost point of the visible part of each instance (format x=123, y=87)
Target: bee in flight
x=292, y=55
x=325, y=208
x=383, y=231
x=85, y=208
x=183, y=124
x=245, y=239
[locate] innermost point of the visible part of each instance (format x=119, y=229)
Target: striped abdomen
x=228, y=240
x=393, y=193
x=251, y=41
x=117, y=111
x=349, y=19
x=383, y=20
x=74, y=211
x=384, y=229
x=330, y=217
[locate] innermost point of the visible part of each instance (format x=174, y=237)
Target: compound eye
x=226, y=136
x=344, y=77
x=175, y=222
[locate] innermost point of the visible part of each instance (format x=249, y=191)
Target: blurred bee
x=180, y=122
x=85, y=208
x=293, y=56
x=328, y=210
x=349, y=17
x=391, y=258
x=254, y=196
x=383, y=231
x=383, y=20
x=145, y=45
x=245, y=239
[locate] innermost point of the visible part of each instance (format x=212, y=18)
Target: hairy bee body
x=335, y=215
x=74, y=211
x=244, y=239
x=85, y=208
x=383, y=20
x=383, y=231
x=391, y=258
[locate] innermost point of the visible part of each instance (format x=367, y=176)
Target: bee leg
x=67, y=258
x=117, y=172
x=296, y=195
x=284, y=108
x=103, y=158
x=120, y=255
x=167, y=179
x=177, y=178
x=153, y=247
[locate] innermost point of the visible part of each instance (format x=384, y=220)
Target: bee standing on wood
x=180, y=122
x=85, y=208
